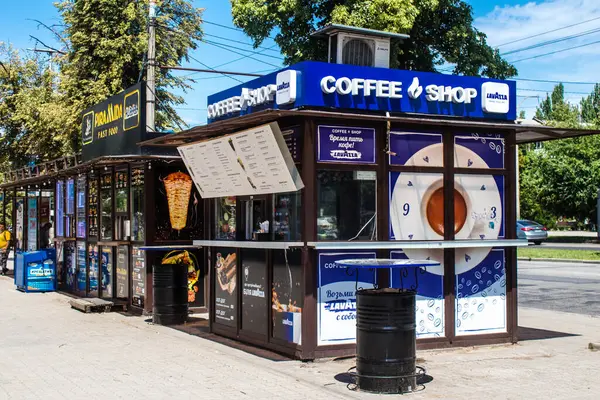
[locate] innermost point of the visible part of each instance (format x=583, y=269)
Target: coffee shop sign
x=495, y=97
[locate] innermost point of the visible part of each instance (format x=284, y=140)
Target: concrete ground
x=49, y=351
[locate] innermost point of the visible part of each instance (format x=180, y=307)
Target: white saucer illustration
x=417, y=209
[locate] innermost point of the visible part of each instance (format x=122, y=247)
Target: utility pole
x=150, y=79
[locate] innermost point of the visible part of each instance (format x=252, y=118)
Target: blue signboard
x=346, y=144
x=349, y=87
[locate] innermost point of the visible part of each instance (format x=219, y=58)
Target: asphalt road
x=568, y=287
x=570, y=246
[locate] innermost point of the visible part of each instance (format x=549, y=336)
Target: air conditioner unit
x=358, y=46
x=366, y=51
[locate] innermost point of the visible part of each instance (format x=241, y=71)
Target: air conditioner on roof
x=359, y=50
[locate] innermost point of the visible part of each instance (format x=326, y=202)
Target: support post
x=150, y=78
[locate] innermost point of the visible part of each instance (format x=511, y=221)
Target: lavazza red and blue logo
x=347, y=87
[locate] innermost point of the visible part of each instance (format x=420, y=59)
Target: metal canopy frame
x=525, y=133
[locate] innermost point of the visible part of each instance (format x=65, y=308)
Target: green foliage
x=441, y=31
x=590, y=107
x=561, y=178
x=103, y=47
x=31, y=116
x=107, y=42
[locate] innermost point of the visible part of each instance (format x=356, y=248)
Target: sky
x=511, y=25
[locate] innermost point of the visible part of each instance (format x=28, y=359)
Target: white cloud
x=510, y=23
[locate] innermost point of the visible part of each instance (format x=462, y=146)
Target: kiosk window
x=121, y=189
x=225, y=227
x=106, y=222
x=137, y=204
x=80, y=203
x=286, y=218
x=346, y=205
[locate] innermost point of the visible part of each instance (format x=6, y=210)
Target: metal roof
x=332, y=29
x=525, y=133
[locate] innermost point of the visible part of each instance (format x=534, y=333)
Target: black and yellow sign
x=115, y=126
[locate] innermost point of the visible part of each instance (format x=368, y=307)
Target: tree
x=555, y=111
x=106, y=42
x=590, y=107
x=31, y=114
x=441, y=31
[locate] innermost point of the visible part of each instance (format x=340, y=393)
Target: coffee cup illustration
x=418, y=205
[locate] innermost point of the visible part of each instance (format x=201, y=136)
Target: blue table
x=406, y=265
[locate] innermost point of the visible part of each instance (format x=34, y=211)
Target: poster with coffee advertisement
x=178, y=207
x=336, y=297
x=287, y=295
x=138, y=278
x=417, y=213
x=254, y=298
x=225, y=265
x=107, y=271
x=20, y=222
x=32, y=224
x=345, y=144
x=122, y=272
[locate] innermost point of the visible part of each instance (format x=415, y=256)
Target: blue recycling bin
x=35, y=271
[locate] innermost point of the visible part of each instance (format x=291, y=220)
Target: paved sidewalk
x=49, y=351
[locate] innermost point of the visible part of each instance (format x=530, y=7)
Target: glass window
x=80, y=205
x=286, y=218
x=346, y=205
x=121, y=189
x=106, y=222
x=60, y=210
x=137, y=204
x=225, y=228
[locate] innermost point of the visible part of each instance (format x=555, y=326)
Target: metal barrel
x=169, y=284
x=386, y=340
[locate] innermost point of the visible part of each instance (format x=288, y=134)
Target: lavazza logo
x=283, y=92
x=495, y=97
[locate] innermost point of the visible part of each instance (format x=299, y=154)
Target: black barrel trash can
x=169, y=283
x=385, y=340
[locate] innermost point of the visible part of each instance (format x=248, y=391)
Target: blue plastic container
x=35, y=271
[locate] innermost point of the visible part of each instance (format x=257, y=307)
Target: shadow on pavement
x=526, y=333
x=199, y=327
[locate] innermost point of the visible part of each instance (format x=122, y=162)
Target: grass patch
x=540, y=252
x=571, y=239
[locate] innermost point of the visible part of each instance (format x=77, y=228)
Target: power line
x=201, y=63
x=550, y=81
x=241, y=42
x=229, y=27
x=237, y=48
x=549, y=42
x=555, y=52
x=544, y=33
x=548, y=90
x=245, y=55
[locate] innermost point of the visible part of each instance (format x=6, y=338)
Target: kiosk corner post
x=309, y=234
x=449, y=254
x=512, y=183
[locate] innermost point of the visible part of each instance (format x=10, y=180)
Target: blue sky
x=504, y=21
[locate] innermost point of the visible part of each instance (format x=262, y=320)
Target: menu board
x=122, y=272
x=81, y=267
x=225, y=263
x=292, y=140
x=32, y=223
x=251, y=162
x=139, y=277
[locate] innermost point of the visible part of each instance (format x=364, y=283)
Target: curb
x=564, y=260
